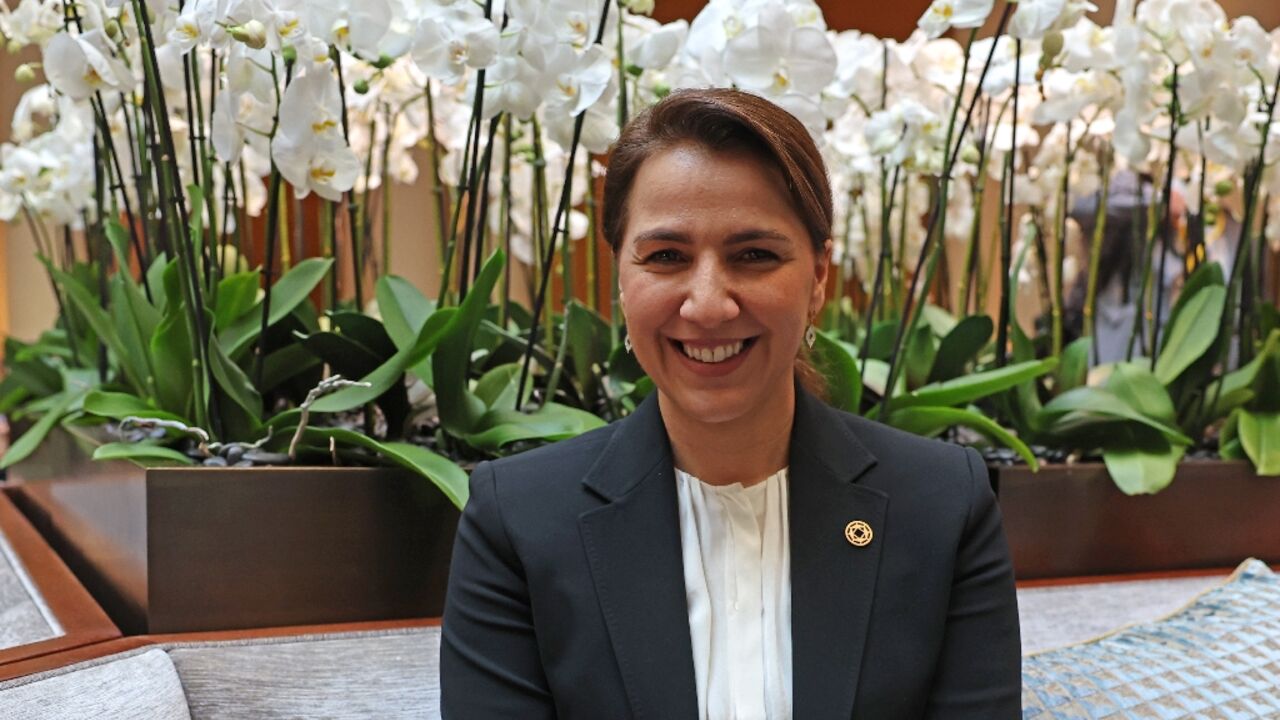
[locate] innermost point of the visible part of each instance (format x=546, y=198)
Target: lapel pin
x=858, y=533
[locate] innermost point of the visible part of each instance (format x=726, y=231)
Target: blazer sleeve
x=979, y=673
x=489, y=661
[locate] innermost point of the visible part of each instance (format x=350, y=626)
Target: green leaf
x=460, y=410
x=840, y=367
x=285, y=364
x=875, y=375
x=135, y=321
x=1095, y=405
x=1207, y=275
x=940, y=321
x=1260, y=435
x=1073, y=371
x=171, y=354
x=551, y=422
x=961, y=346
x=236, y=295
x=1192, y=333
x=968, y=388
x=1141, y=390
x=403, y=309
x=118, y=405
x=589, y=345
x=234, y=382
x=86, y=304
x=930, y=421
x=444, y=473
x=497, y=387
x=390, y=372
x=1143, y=468
x=144, y=454
x=921, y=350
x=286, y=294
x=883, y=335
x=31, y=439
x=1237, y=386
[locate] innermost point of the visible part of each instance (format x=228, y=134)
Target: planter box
x=1071, y=520
x=193, y=549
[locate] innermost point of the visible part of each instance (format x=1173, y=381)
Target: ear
x=821, y=268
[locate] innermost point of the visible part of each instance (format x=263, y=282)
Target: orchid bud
x=289, y=54
x=1211, y=211
x=1223, y=187
x=1050, y=47
x=634, y=70
x=639, y=7
x=383, y=62
x=361, y=86
x=253, y=33
x=112, y=28
x=14, y=47
x=969, y=154
x=661, y=90
x=25, y=73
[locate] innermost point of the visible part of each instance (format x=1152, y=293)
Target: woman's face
x=719, y=280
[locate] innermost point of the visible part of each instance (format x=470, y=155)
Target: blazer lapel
x=633, y=547
x=832, y=580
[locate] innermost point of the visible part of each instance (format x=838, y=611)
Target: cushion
x=140, y=685
x=1058, y=615
x=383, y=674
x=24, y=617
x=1218, y=657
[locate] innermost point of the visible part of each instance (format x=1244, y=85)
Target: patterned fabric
x=1219, y=657
x=24, y=618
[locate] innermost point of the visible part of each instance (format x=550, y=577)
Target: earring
x=626, y=343
x=810, y=336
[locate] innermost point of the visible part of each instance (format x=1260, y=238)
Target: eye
x=756, y=255
x=665, y=256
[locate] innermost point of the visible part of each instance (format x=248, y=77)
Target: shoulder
x=556, y=463
x=545, y=482
x=930, y=476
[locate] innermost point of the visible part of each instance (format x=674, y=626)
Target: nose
x=709, y=300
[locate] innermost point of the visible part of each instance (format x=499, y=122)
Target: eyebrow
x=737, y=238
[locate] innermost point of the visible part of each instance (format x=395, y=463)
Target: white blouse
x=737, y=577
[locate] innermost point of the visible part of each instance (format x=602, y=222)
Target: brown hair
x=726, y=120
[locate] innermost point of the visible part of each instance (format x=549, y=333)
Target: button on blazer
x=566, y=595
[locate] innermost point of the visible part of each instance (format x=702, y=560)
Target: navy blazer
x=566, y=595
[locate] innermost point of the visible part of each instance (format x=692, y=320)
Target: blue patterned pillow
x=1217, y=658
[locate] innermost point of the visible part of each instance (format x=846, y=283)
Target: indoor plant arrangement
x=172, y=144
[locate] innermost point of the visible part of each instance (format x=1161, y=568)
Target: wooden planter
x=1071, y=520
x=194, y=549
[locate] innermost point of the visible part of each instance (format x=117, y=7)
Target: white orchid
x=454, y=40
x=80, y=65
x=942, y=15
x=577, y=81
x=777, y=57
x=308, y=147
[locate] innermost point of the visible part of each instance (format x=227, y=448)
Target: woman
x=735, y=548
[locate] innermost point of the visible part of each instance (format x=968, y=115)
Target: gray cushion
x=24, y=617
x=387, y=675
x=1064, y=614
x=128, y=686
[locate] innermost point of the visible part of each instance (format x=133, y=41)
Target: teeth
x=713, y=355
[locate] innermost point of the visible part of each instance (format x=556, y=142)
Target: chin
x=713, y=407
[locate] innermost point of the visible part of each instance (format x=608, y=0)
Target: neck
x=744, y=450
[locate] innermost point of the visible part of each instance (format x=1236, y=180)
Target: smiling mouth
x=712, y=354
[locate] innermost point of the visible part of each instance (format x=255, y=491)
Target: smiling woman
x=735, y=547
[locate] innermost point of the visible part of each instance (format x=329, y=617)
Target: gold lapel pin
x=858, y=533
